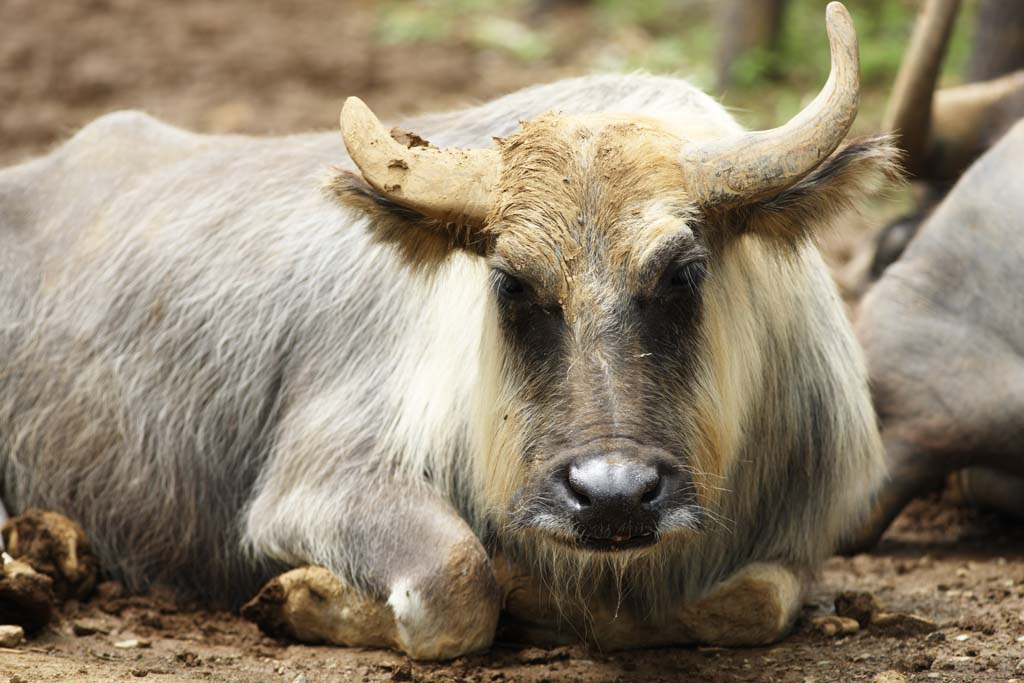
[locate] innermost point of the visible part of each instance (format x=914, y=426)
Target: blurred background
x=287, y=65
x=262, y=66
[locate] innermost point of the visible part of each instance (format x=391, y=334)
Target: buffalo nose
x=608, y=486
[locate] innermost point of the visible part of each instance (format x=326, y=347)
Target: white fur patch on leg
x=429, y=633
x=412, y=618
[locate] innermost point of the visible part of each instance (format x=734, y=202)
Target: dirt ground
x=960, y=571
x=263, y=67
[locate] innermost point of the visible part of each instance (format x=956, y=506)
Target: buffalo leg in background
x=992, y=489
x=943, y=332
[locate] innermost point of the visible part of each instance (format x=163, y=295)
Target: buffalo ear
x=839, y=184
x=421, y=241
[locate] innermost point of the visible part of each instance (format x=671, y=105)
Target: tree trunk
x=998, y=40
x=746, y=26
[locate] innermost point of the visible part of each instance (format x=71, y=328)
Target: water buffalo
x=592, y=359
x=943, y=331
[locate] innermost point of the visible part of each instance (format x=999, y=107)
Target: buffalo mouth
x=614, y=544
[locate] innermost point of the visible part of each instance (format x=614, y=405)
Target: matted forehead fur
x=587, y=193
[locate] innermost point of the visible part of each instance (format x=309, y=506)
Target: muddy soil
x=262, y=67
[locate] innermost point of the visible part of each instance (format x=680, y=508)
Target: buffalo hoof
x=312, y=605
x=755, y=606
x=55, y=546
x=26, y=596
x=448, y=614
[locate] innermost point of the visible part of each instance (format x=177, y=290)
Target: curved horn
x=759, y=164
x=909, y=111
x=967, y=120
x=452, y=185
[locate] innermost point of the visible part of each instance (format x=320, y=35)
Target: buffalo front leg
x=382, y=563
x=755, y=606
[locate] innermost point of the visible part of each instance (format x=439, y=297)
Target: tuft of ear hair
x=421, y=241
x=838, y=185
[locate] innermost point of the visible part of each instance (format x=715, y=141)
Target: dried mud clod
x=865, y=609
x=26, y=596
x=860, y=607
x=55, y=546
x=410, y=140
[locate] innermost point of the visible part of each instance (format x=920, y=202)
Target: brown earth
x=263, y=67
x=960, y=572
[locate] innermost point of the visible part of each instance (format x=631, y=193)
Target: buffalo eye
x=688, y=276
x=507, y=286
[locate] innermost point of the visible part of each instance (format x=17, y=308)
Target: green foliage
x=681, y=37
x=407, y=23
x=488, y=24
x=651, y=15
x=509, y=36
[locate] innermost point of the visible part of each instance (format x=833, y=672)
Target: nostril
x=576, y=490
x=654, y=491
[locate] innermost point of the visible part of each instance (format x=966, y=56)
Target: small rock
x=301, y=678
x=88, y=627
x=110, y=590
x=151, y=620
x=859, y=606
x=902, y=625
x=536, y=655
x=977, y=624
x=403, y=672
x=936, y=637
x=188, y=658
x=132, y=643
x=919, y=662
x=140, y=673
x=835, y=626
x=11, y=635
x=889, y=677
